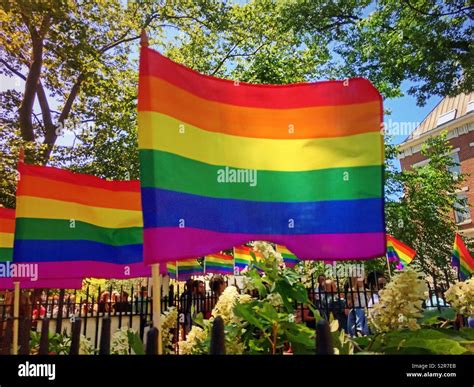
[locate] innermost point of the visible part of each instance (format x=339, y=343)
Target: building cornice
x=458, y=127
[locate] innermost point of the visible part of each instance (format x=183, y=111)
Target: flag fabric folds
x=223, y=163
x=289, y=258
x=7, y=233
x=219, y=264
x=399, y=252
x=462, y=259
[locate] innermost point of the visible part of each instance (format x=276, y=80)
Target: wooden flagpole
x=16, y=316
x=155, y=268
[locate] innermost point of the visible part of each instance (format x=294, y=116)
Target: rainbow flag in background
x=171, y=269
x=7, y=233
x=289, y=258
x=219, y=264
x=186, y=268
x=399, y=252
x=243, y=258
x=223, y=163
x=462, y=259
x=63, y=216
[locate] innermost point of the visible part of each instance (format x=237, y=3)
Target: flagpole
x=388, y=266
x=155, y=268
x=156, y=283
x=16, y=316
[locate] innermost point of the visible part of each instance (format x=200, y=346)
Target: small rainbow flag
x=399, y=252
x=289, y=258
x=219, y=264
x=63, y=216
x=7, y=233
x=188, y=267
x=243, y=258
x=171, y=269
x=462, y=259
x=323, y=138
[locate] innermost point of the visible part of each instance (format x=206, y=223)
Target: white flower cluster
x=461, y=297
x=227, y=301
x=268, y=252
x=119, y=344
x=195, y=337
x=85, y=346
x=400, y=302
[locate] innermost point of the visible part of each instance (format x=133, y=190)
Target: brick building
x=456, y=116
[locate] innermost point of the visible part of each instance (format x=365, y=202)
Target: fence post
x=323, y=339
x=105, y=336
x=44, y=340
x=217, y=337
x=24, y=336
x=152, y=341
x=76, y=336
x=59, y=317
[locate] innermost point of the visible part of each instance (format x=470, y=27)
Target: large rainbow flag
x=462, y=259
x=223, y=163
x=289, y=258
x=399, y=252
x=92, y=224
x=219, y=264
x=7, y=233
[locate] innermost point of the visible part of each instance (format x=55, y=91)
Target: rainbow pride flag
x=171, y=269
x=289, y=258
x=243, y=257
x=7, y=233
x=462, y=259
x=399, y=252
x=224, y=162
x=63, y=216
x=219, y=264
x=186, y=268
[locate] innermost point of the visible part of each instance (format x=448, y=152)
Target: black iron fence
x=99, y=313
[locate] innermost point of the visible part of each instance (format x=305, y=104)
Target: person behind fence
x=201, y=304
x=333, y=303
x=186, y=305
x=319, y=291
x=140, y=300
x=356, y=303
x=103, y=306
x=376, y=284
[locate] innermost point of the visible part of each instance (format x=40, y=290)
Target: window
x=446, y=117
x=470, y=106
x=455, y=169
x=462, y=211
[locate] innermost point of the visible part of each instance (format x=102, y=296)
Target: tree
x=419, y=209
x=427, y=42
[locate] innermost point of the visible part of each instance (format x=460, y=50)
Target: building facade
x=456, y=116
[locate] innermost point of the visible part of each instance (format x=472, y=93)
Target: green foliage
x=423, y=341
x=136, y=344
x=419, y=209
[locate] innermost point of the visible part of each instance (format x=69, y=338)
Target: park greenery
x=71, y=95
x=73, y=70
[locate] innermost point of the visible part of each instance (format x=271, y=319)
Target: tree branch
x=32, y=79
x=11, y=69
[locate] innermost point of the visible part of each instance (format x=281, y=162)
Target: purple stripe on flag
x=95, y=269
x=68, y=283
x=164, y=242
